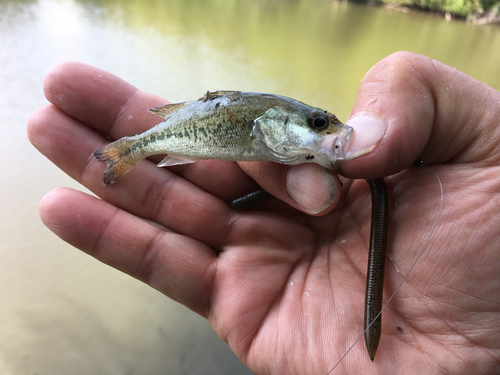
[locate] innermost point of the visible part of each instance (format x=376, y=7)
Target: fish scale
x=236, y=126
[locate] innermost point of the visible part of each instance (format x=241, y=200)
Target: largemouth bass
x=236, y=126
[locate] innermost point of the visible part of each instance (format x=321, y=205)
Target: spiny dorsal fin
x=214, y=94
x=166, y=109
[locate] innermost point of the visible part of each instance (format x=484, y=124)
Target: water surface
x=63, y=312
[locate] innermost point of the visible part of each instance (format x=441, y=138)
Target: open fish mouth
x=334, y=146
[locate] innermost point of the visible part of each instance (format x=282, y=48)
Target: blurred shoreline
x=469, y=11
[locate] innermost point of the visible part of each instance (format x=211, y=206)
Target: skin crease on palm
x=285, y=289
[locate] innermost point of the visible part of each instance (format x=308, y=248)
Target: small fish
x=236, y=126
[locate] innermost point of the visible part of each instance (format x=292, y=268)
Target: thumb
x=412, y=107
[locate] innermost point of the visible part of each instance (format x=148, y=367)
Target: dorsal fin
x=215, y=94
x=166, y=109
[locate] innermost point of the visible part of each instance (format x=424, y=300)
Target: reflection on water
x=62, y=312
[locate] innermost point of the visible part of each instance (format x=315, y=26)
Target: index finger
x=100, y=99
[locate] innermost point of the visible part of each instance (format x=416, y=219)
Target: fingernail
x=312, y=187
x=368, y=132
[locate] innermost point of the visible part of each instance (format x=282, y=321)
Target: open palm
x=283, y=288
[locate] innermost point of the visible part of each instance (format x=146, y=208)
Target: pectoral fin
x=170, y=161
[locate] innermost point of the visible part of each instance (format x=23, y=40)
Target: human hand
x=283, y=288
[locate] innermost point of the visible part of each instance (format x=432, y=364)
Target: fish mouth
x=336, y=145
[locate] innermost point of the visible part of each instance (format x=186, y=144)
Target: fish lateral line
x=418, y=164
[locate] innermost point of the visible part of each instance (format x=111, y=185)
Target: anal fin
x=169, y=161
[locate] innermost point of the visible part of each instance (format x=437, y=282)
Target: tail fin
x=118, y=159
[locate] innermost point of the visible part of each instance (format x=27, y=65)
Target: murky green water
x=62, y=312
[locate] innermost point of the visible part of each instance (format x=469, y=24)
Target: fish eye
x=318, y=120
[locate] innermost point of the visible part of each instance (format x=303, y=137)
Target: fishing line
x=419, y=164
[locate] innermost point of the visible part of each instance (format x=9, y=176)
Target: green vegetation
x=472, y=9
